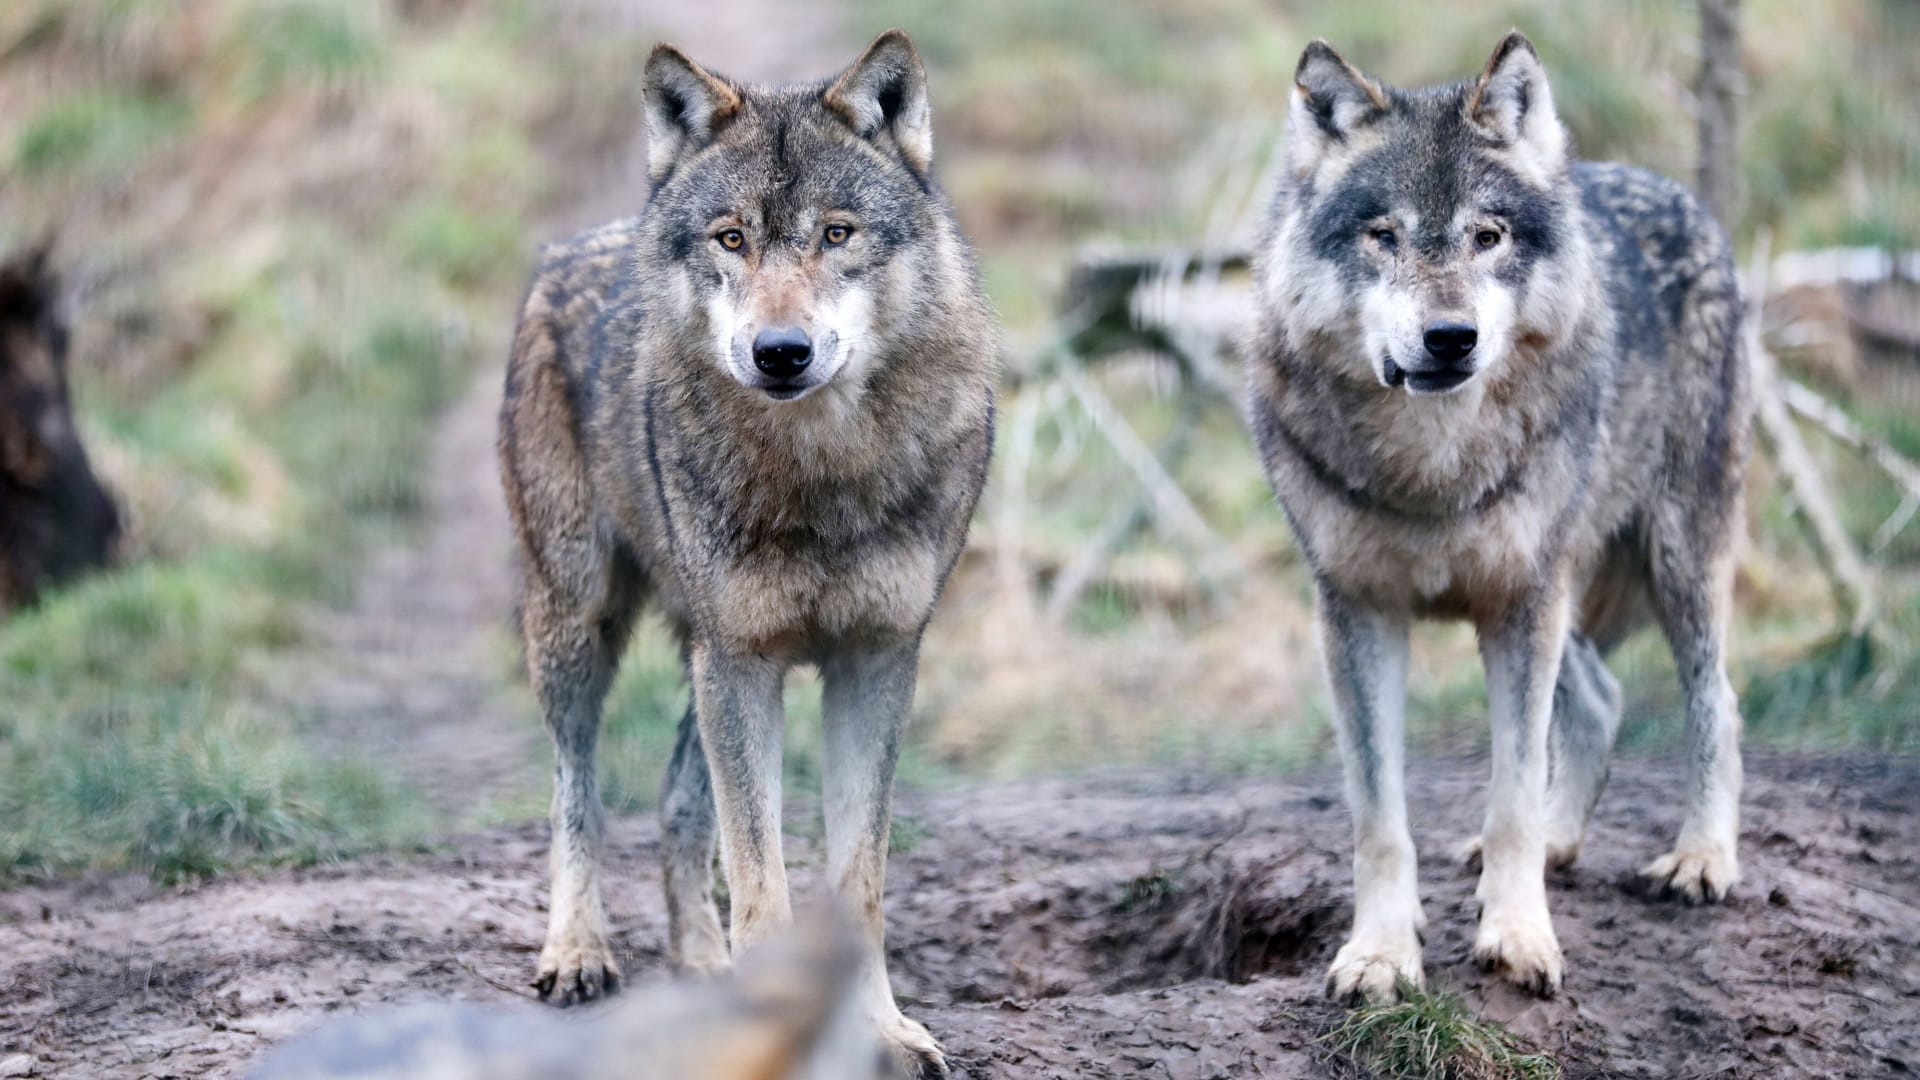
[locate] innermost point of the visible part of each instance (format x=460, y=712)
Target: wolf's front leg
x=868, y=695
x=1366, y=659
x=736, y=698
x=571, y=663
x=1521, y=649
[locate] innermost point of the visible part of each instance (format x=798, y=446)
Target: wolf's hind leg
x=868, y=696
x=737, y=704
x=571, y=658
x=1366, y=659
x=695, y=941
x=1586, y=717
x=1693, y=595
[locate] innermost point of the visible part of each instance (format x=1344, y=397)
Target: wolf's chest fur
x=1438, y=506
x=781, y=528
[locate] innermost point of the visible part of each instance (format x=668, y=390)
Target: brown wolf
x=1494, y=383
x=763, y=406
x=55, y=520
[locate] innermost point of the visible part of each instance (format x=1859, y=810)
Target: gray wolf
x=792, y=1012
x=1490, y=382
x=56, y=521
x=764, y=407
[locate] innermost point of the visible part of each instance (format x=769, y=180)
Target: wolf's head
x=1436, y=227
x=800, y=221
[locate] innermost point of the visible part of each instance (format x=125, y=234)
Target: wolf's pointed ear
x=1330, y=99
x=1513, y=103
x=884, y=97
x=686, y=105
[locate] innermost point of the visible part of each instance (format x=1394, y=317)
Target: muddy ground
x=1138, y=926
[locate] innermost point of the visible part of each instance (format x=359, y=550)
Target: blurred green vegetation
x=323, y=315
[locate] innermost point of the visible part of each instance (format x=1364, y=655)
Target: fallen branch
x=1171, y=507
x=1074, y=578
x=1846, y=573
x=1832, y=419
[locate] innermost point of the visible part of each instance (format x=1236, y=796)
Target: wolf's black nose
x=1450, y=342
x=782, y=353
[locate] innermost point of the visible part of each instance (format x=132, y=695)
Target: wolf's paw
x=1699, y=873
x=1373, y=973
x=1561, y=853
x=1523, y=950
x=574, y=974
x=912, y=1049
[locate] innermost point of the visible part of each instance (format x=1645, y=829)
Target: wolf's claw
x=1523, y=952
x=1361, y=973
x=1698, y=874
x=914, y=1053
x=570, y=977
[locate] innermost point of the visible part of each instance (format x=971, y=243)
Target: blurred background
x=288, y=238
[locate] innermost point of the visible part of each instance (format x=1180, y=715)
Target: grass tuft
x=1432, y=1036
x=97, y=135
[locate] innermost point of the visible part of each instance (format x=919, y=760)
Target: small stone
x=17, y=1065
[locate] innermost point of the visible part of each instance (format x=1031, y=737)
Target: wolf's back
x=583, y=292
x=1660, y=254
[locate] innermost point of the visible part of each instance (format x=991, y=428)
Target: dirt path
x=1157, y=926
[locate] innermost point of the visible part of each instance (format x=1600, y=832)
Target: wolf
x=1491, y=382
x=792, y=1012
x=763, y=406
x=56, y=521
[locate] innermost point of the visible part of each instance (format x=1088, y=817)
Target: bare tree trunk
x=1720, y=87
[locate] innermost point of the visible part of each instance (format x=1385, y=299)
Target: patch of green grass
x=308, y=43
x=905, y=833
x=97, y=135
x=1148, y=893
x=174, y=784
x=152, y=624
x=461, y=246
x=1431, y=1035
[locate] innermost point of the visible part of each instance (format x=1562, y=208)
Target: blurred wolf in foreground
x=765, y=407
x=793, y=1012
x=1489, y=382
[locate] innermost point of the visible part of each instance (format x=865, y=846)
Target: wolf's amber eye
x=732, y=239
x=1385, y=238
x=1487, y=239
x=837, y=234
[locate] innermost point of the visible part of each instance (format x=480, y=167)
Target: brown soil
x=1164, y=926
